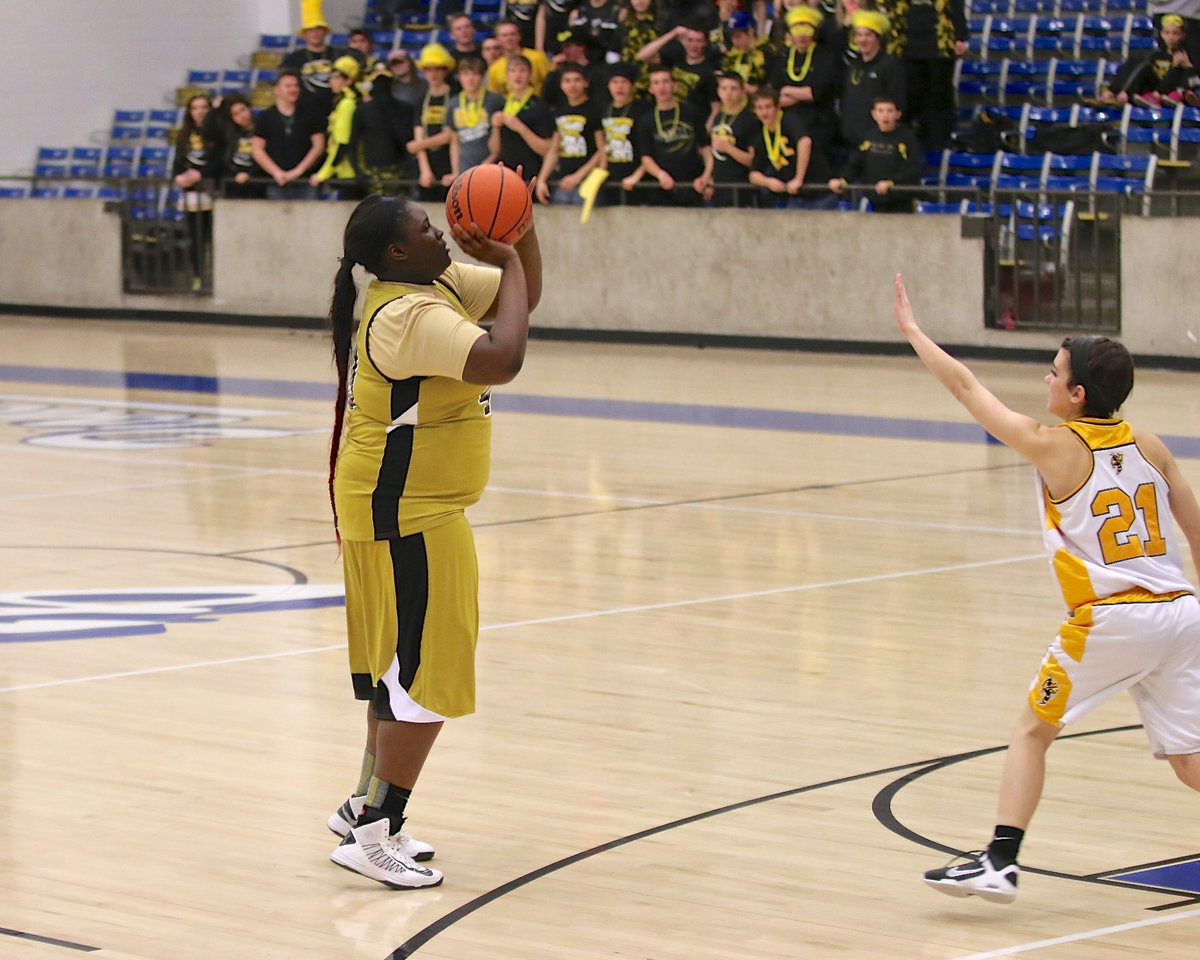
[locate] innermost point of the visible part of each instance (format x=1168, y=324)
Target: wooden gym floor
x=755, y=627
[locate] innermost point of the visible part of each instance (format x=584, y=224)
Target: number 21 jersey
x=1113, y=535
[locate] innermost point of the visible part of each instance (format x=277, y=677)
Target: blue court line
x=1183, y=876
x=755, y=418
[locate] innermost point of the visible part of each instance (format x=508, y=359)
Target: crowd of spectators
x=660, y=102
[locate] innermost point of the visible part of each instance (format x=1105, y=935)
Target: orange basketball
x=492, y=196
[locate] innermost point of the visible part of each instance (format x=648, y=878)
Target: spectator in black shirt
x=524, y=14
x=890, y=156
x=621, y=159
x=806, y=76
x=196, y=163
x=928, y=36
x=288, y=140
x=576, y=145
x=732, y=129
x=521, y=132
x=578, y=49
x=693, y=63
x=383, y=126
x=314, y=61
x=462, y=37
x=783, y=157
x=236, y=166
x=601, y=20
x=432, y=133
x=674, y=145
x=553, y=21
x=873, y=75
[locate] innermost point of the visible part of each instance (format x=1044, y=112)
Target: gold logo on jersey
x=1048, y=691
x=1118, y=461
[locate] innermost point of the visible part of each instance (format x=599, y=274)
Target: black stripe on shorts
x=410, y=571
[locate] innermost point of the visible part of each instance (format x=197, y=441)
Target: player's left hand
x=904, y=311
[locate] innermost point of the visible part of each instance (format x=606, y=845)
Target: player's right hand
x=476, y=244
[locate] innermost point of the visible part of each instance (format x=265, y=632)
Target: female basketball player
x=1134, y=622
x=411, y=447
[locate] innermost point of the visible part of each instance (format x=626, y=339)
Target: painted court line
x=41, y=403
x=1077, y=937
x=147, y=485
x=615, y=611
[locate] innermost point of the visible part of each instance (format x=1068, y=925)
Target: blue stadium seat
x=46, y=193
x=203, y=78
x=129, y=116
x=85, y=162
x=13, y=193
x=51, y=162
x=960, y=169
x=1066, y=171
x=169, y=117
x=275, y=41
x=932, y=206
x=384, y=38
x=265, y=76
x=1016, y=171
x=1184, y=141
x=1145, y=127
x=233, y=81
x=118, y=161
x=78, y=193
x=1073, y=80
x=1009, y=26
x=1034, y=117
x=152, y=161
x=1043, y=221
x=339, y=40
x=110, y=193
x=1120, y=173
x=122, y=131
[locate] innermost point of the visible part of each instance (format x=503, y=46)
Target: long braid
x=341, y=322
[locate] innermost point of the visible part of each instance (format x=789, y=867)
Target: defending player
x=1133, y=620
x=414, y=401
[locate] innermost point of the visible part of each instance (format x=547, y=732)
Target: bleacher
x=1037, y=66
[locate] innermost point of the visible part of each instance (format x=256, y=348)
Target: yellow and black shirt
x=416, y=446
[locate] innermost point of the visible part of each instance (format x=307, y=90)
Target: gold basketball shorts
x=412, y=613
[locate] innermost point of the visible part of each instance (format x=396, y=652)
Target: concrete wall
x=810, y=275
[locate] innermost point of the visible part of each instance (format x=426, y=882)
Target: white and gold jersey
x=1112, y=536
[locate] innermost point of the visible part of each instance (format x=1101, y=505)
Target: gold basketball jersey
x=416, y=444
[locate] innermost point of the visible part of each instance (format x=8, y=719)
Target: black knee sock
x=1005, y=845
x=385, y=800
